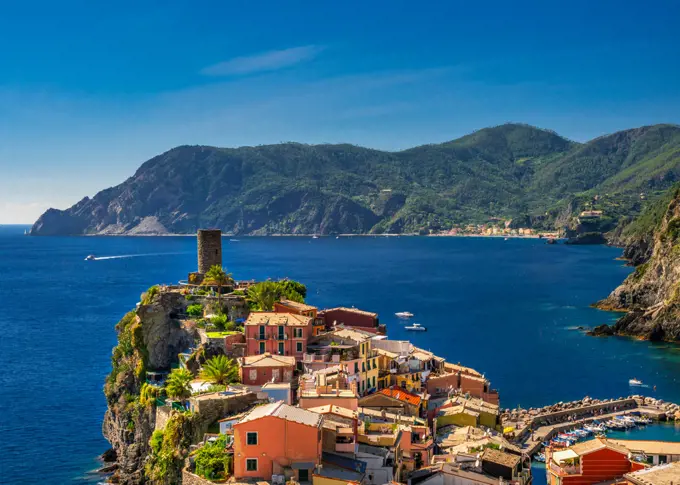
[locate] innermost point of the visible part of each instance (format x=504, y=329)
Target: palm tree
x=218, y=277
x=178, y=384
x=263, y=295
x=220, y=370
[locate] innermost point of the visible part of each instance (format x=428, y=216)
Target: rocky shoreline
x=650, y=296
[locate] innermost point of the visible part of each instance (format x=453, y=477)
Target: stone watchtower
x=209, y=249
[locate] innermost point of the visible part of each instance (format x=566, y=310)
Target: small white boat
x=90, y=257
x=404, y=314
x=416, y=327
x=634, y=382
x=233, y=240
x=337, y=237
x=315, y=236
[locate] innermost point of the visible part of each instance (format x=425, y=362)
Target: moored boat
x=416, y=327
x=404, y=314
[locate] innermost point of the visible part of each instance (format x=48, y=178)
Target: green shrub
x=195, y=310
x=220, y=321
x=156, y=441
x=212, y=460
x=148, y=296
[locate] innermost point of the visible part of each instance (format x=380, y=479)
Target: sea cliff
x=650, y=296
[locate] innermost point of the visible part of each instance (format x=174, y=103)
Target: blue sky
x=90, y=90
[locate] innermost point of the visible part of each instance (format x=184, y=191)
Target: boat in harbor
x=404, y=314
x=90, y=257
x=416, y=327
x=634, y=382
x=315, y=236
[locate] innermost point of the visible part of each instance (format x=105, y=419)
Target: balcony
x=320, y=358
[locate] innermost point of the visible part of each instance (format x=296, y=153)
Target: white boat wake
x=124, y=256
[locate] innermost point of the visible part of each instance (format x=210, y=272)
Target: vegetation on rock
x=212, y=460
x=195, y=310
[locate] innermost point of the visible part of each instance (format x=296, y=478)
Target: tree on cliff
x=216, y=276
x=220, y=370
x=178, y=385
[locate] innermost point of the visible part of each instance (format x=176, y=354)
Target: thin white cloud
x=265, y=61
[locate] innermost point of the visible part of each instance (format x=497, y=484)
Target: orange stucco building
x=277, y=439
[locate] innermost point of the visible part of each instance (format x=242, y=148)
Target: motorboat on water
x=403, y=314
x=416, y=327
x=634, y=382
x=90, y=257
x=315, y=236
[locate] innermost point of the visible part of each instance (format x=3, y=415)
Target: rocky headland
x=650, y=296
x=150, y=338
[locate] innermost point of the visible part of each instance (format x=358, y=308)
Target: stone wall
x=189, y=478
x=162, y=416
x=211, y=407
x=209, y=249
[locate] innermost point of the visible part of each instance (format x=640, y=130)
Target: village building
x=587, y=463
x=465, y=411
x=394, y=400
x=277, y=333
x=354, y=352
x=352, y=318
x=466, y=380
x=340, y=428
x=256, y=370
x=277, y=440
x=296, y=308
x=652, y=452
x=278, y=391
x=668, y=474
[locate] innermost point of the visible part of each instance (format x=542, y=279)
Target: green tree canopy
x=263, y=295
x=178, y=385
x=220, y=370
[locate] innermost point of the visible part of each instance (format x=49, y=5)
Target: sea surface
x=507, y=308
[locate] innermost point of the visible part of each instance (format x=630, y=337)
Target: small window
x=261, y=347
x=281, y=350
x=298, y=346
x=251, y=464
x=251, y=438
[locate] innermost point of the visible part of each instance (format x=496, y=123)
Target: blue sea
x=507, y=308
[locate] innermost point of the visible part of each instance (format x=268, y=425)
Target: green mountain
x=513, y=171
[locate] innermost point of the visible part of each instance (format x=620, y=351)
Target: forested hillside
x=514, y=171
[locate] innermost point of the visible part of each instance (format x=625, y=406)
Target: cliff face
x=148, y=338
x=511, y=171
x=651, y=295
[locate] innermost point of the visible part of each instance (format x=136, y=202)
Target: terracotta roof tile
x=268, y=360
x=276, y=319
x=402, y=395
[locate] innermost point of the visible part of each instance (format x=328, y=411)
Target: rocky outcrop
x=651, y=294
x=148, y=338
x=601, y=331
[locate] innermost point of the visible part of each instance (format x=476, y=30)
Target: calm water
x=507, y=308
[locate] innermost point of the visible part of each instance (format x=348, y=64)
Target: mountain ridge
x=511, y=171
